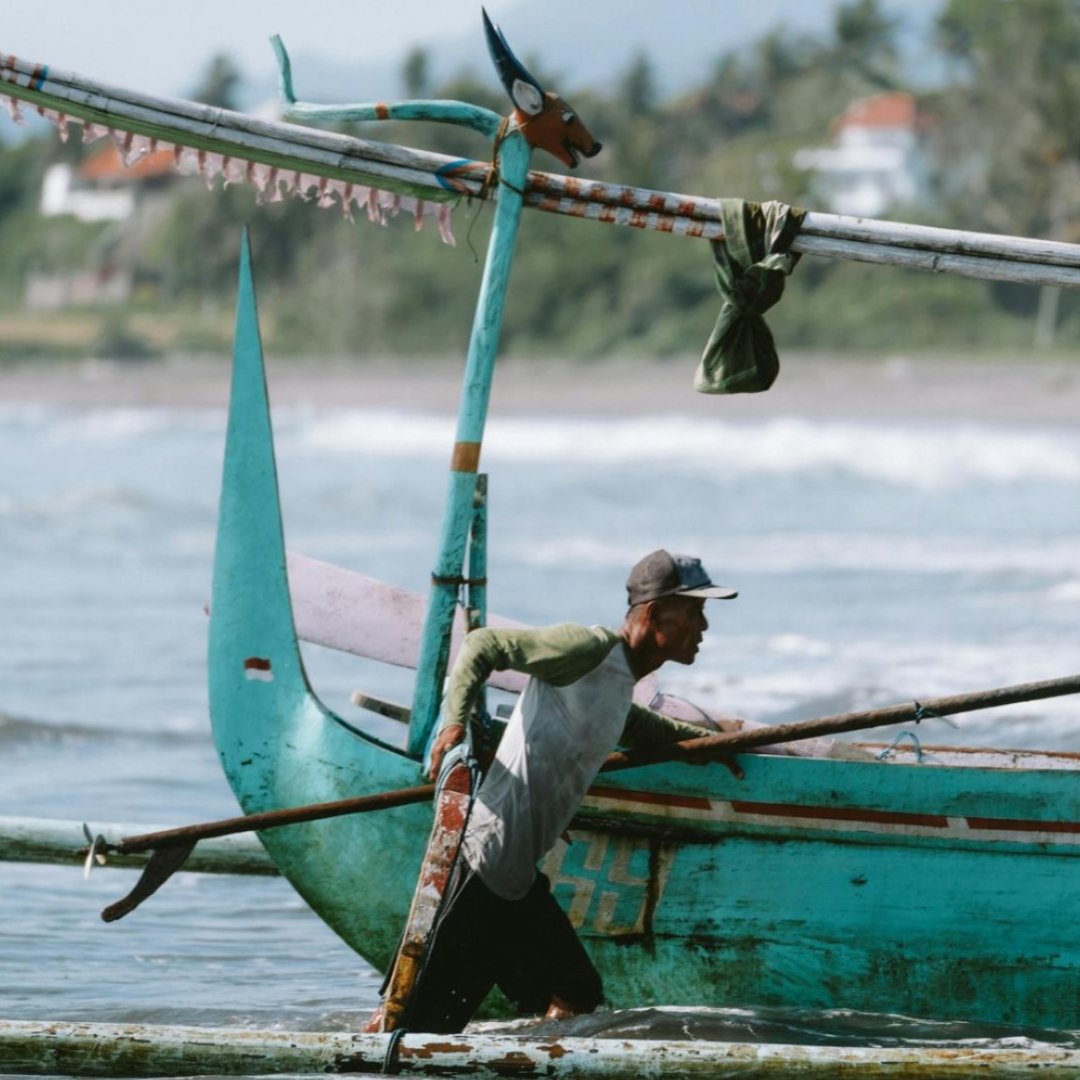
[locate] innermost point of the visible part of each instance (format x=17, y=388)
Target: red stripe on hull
x=688, y=802
x=846, y=813
x=1014, y=825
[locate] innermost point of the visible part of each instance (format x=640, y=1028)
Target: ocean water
x=875, y=564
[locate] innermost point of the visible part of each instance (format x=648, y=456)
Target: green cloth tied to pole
x=752, y=262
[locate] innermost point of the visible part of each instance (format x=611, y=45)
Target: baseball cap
x=662, y=574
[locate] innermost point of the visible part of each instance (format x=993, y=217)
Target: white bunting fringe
x=271, y=184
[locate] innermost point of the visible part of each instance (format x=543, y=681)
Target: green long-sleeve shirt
x=558, y=655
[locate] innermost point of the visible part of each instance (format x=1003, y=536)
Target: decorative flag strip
x=271, y=184
x=425, y=181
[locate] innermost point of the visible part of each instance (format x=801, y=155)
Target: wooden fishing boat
x=928, y=883
x=932, y=887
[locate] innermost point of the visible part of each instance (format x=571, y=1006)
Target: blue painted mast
x=540, y=119
x=513, y=164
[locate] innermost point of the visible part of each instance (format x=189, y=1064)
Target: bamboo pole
x=38, y=1048
x=438, y=178
x=830, y=226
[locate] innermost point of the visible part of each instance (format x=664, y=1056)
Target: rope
x=457, y=580
x=492, y=177
x=903, y=735
x=922, y=712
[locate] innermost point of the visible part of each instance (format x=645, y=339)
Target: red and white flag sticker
x=256, y=667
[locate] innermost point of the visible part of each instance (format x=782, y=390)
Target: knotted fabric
x=752, y=262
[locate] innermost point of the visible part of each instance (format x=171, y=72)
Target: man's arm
x=558, y=655
x=645, y=727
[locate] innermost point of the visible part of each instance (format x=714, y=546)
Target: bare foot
x=560, y=1010
x=374, y=1023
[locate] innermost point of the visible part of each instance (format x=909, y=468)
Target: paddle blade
x=162, y=864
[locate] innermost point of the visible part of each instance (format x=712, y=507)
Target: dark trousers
x=526, y=947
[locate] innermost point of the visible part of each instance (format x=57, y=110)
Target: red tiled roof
x=893, y=110
x=105, y=164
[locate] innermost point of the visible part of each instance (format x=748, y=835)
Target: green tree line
x=1005, y=127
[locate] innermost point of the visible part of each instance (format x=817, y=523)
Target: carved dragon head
x=547, y=122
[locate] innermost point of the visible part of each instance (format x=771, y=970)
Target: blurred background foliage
x=1006, y=116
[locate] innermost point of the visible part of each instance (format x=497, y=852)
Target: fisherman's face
x=679, y=623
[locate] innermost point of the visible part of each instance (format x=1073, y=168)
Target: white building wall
x=60, y=195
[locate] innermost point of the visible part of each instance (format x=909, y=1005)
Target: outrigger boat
x=930, y=883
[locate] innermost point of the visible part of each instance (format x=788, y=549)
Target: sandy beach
x=1020, y=390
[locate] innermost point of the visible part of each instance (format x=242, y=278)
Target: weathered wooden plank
x=118, y=1050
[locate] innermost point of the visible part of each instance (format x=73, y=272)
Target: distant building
x=879, y=156
x=102, y=189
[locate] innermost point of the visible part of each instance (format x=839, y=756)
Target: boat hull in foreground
x=118, y=1050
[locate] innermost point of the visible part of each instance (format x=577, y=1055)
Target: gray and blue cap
x=662, y=574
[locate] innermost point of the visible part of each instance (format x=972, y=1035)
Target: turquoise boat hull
x=942, y=889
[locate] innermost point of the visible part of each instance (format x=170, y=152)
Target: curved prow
x=257, y=680
x=279, y=746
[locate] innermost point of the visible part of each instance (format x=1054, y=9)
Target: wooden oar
x=737, y=741
x=170, y=848
x=270, y=819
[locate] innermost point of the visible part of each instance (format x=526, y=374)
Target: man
x=500, y=923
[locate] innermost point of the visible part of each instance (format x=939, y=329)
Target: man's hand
x=447, y=738
x=708, y=755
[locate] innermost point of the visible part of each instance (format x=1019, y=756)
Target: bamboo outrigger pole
x=147, y=1050
x=319, y=157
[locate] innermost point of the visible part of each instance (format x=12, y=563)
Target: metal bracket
x=96, y=853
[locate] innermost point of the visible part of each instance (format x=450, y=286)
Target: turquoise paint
x=445, y=176
x=514, y=155
x=476, y=590
x=278, y=745
x=459, y=113
x=675, y=908
x=476, y=606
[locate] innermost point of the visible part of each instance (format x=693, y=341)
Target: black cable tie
x=391, y=1066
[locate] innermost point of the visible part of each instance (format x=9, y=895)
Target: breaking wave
x=914, y=453
x=919, y=455
x=18, y=732
x=799, y=552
